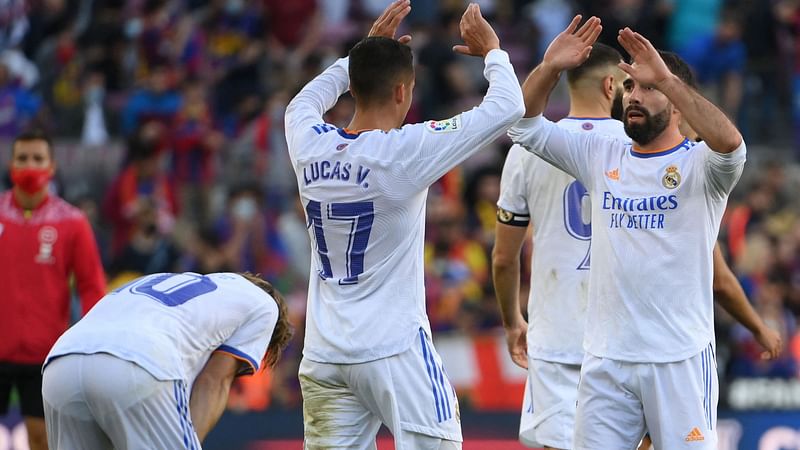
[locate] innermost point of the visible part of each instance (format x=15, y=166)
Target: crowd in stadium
x=168, y=124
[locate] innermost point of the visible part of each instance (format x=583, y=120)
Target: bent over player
x=151, y=365
x=368, y=357
x=656, y=208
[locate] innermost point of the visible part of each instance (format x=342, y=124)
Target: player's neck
x=584, y=107
x=668, y=139
x=29, y=201
x=373, y=119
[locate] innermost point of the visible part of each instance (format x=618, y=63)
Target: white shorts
x=99, y=401
x=676, y=402
x=345, y=404
x=548, y=409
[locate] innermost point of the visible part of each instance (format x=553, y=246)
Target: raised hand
x=571, y=48
x=386, y=24
x=648, y=68
x=476, y=33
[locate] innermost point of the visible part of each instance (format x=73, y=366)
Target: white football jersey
x=560, y=210
x=364, y=196
x=170, y=323
x=655, y=219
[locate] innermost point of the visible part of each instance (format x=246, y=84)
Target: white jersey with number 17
x=559, y=208
x=364, y=196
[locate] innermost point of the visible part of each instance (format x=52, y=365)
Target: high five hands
x=476, y=33
x=648, y=67
x=572, y=46
x=387, y=23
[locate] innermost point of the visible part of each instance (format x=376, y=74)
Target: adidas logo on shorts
x=695, y=435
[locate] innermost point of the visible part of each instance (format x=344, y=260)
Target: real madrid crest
x=672, y=178
x=504, y=216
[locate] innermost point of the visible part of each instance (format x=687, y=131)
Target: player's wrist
x=668, y=83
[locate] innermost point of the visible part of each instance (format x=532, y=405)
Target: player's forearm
x=209, y=397
x=320, y=94
x=537, y=88
x=730, y=295
x=505, y=276
x=710, y=123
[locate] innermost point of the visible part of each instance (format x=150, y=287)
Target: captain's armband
x=511, y=218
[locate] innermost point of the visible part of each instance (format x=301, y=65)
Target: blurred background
x=168, y=119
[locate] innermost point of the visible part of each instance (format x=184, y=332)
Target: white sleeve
x=439, y=146
x=566, y=150
x=722, y=169
x=304, y=113
x=250, y=340
x=514, y=187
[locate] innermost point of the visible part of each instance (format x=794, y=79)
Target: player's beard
x=617, y=110
x=650, y=128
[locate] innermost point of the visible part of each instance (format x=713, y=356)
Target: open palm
x=648, y=67
x=571, y=48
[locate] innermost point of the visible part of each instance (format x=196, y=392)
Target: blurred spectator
x=14, y=23
x=456, y=266
x=148, y=250
x=194, y=144
x=18, y=105
x=718, y=60
x=691, y=18
x=249, y=242
x=294, y=28
x=156, y=101
x=141, y=183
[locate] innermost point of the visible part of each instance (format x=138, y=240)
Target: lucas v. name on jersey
x=334, y=170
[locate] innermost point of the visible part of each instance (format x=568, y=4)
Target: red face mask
x=30, y=180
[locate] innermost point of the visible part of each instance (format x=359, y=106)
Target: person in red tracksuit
x=43, y=242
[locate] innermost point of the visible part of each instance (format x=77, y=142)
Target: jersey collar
x=639, y=153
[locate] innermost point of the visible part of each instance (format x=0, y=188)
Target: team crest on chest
x=672, y=178
x=47, y=238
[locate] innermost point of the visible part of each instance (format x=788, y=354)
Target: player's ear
x=399, y=93
x=608, y=87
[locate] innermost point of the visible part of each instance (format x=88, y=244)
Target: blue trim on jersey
x=430, y=374
x=182, y=405
x=347, y=135
x=240, y=354
x=707, y=362
x=588, y=118
x=685, y=144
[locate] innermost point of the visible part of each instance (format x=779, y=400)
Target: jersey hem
x=683, y=356
x=428, y=431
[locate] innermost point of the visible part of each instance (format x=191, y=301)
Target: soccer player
x=368, y=357
x=151, y=365
x=534, y=191
x=656, y=208
x=44, y=242
x=558, y=206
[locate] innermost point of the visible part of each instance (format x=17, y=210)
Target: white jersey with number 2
x=364, y=196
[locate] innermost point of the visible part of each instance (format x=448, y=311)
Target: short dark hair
x=283, y=331
x=601, y=56
x=678, y=67
x=34, y=134
x=376, y=65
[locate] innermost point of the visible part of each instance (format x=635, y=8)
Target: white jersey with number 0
x=364, y=196
x=655, y=219
x=170, y=323
x=560, y=211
